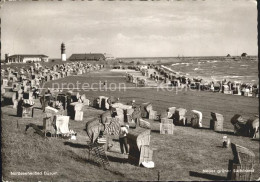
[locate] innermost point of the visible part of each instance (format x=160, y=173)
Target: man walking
x=123, y=138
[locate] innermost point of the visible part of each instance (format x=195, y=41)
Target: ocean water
x=245, y=71
x=210, y=68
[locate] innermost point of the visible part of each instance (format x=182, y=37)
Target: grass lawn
x=177, y=157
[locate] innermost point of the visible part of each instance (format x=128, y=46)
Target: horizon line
x=154, y=56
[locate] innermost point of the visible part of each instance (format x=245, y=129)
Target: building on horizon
x=26, y=58
x=109, y=57
x=88, y=57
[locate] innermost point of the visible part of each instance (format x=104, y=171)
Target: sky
x=130, y=28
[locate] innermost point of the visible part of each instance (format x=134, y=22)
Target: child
x=123, y=139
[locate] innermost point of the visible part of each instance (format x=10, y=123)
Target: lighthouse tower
x=63, y=54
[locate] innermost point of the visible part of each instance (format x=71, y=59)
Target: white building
x=29, y=58
x=109, y=56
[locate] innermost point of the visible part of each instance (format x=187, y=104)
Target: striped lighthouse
x=63, y=54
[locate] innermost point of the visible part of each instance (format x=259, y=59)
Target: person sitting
x=113, y=112
x=112, y=100
x=36, y=93
x=169, y=114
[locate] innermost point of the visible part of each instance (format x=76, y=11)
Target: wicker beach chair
x=242, y=166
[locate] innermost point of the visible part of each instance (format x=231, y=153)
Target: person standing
x=123, y=138
x=105, y=84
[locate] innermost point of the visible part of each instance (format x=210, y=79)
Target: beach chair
x=146, y=154
x=48, y=124
x=62, y=124
x=240, y=125
x=25, y=108
x=242, y=165
x=166, y=128
x=63, y=99
x=180, y=117
x=136, y=139
x=45, y=100
x=74, y=109
x=196, y=120
x=216, y=123
x=104, y=103
x=144, y=124
x=145, y=108
x=153, y=114
x=171, y=112
x=100, y=98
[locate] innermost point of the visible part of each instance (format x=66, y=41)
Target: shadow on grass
x=92, y=160
x=255, y=139
x=117, y=159
x=40, y=127
x=38, y=108
x=116, y=172
x=207, y=176
x=76, y=145
x=203, y=128
x=112, y=151
x=6, y=105
x=36, y=129
x=14, y=115
x=184, y=126
x=220, y=146
x=226, y=132
x=89, y=158
x=155, y=131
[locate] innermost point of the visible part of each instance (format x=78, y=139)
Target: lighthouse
x=63, y=54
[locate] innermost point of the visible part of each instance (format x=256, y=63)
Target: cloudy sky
x=130, y=28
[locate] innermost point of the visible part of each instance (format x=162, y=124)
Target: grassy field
x=181, y=156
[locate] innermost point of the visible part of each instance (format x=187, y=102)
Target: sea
x=244, y=70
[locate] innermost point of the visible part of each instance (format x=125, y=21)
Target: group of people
x=124, y=128
x=123, y=135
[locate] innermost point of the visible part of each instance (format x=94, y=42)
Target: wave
x=175, y=64
x=215, y=61
x=230, y=76
x=197, y=69
x=169, y=69
x=187, y=64
x=236, y=76
x=211, y=72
